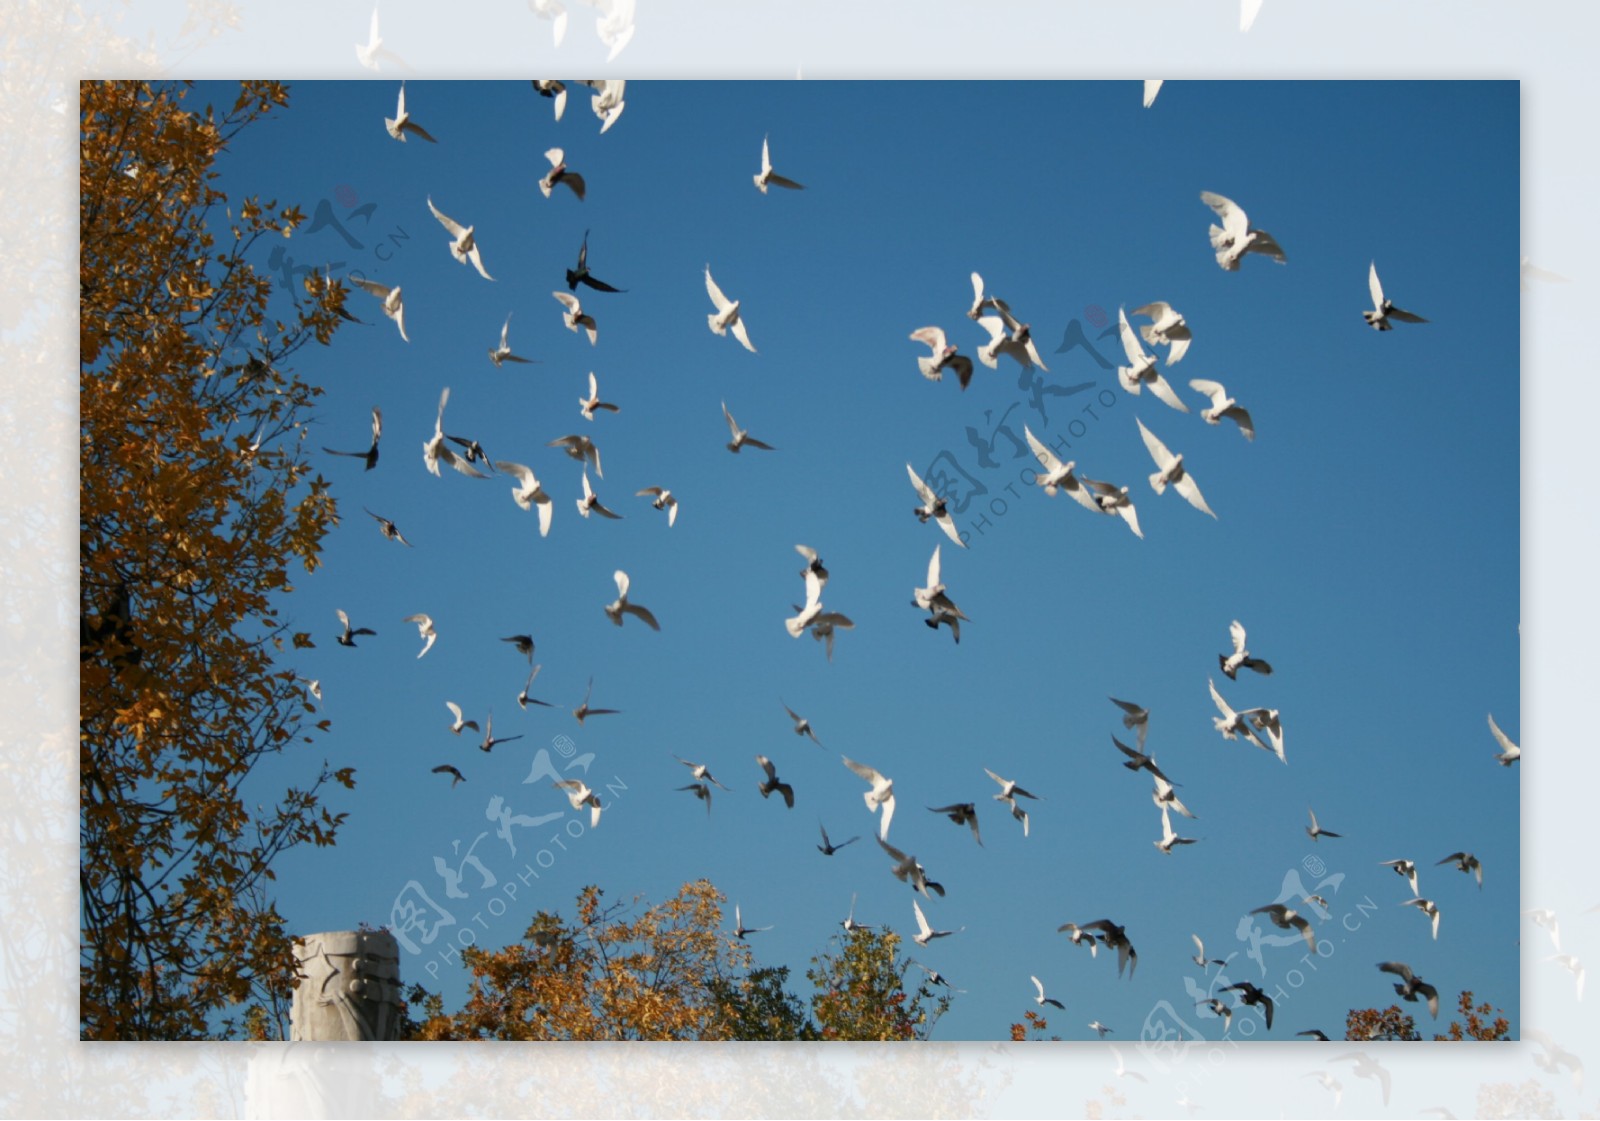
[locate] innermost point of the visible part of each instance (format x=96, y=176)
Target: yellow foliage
x=192, y=454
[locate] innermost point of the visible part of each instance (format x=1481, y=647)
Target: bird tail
x=717, y=328
x=1158, y=480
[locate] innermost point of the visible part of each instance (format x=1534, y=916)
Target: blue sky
x=1368, y=538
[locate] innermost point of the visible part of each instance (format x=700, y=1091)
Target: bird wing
x=1237, y=632
x=717, y=298
x=1130, y=341
x=1166, y=394
x=372, y=286
x=933, y=568
x=1047, y=458
x=933, y=336
x=1234, y=220
x=922, y=922
x=455, y=228
x=1502, y=739
x=1398, y=968
x=1190, y=490
x=863, y=771
x=742, y=334
x=1158, y=450
x=1375, y=287
x=929, y=498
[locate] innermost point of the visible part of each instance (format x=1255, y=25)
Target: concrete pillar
x=349, y=986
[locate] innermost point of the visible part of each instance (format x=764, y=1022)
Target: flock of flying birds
x=1008, y=337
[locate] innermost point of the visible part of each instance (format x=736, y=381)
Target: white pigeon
x=1169, y=837
x=944, y=356
x=435, y=451
x=1427, y=907
x=726, y=317
x=587, y=405
x=502, y=353
x=881, y=796
x=549, y=87
x=425, y=627
x=1098, y=1028
x=907, y=870
x=933, y=507
x=576, y=318
x=620, y=606
x=1406, y=869
x=1165, y=794
x=1232, y=724
x=459, y=722
x=1573, y=966
x=663, y=500
x=579, y=795
x=1080, y=937
x=607, y=102
x=1235, y=237
x=926, y=933
x=560, y=173
x=1240, y=658
x=982, y=301
x=528, y=492
x=555, y=13
x=934, y=600
x=769, y=178
x=1008, y=336
x=1200, y=958
x=1541, y=916
x=1114, y=500
x=1168, y=329
x=591, y=501
x=1267, y=720
x=403, y=123
x=813, y=606
x=1152, y=86
x=1170, y=472
x=1057, y=476
x=464, y=244
x=1286, y=917
x=1223, y=406
x=1008, y=789
x=740, y=930
x=370, y=52
x=614, y=26
x=392, y=305
x=701, y=772
x=1509, y=752
x=580, y=448
x=1315, y=830
x=741, y=436
x=1142, y=368
x=1378, y=319
x=1041, y=1000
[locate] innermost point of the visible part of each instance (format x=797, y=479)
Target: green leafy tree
x=759, y=1007
x=860, y=991
x=194, y=505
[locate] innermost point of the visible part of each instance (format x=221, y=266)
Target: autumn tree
x=1480, y=1022
x=194, y=506
x=668, y=972
x=860, y=991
